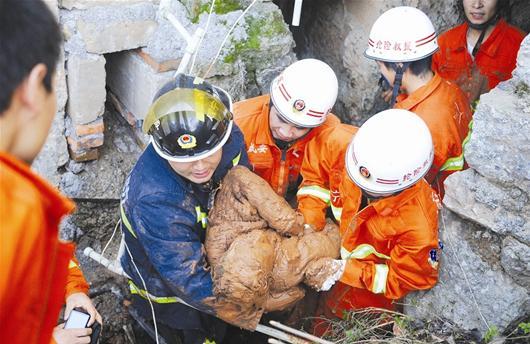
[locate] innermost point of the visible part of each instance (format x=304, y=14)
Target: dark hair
x=417, y=68
x=29, y=35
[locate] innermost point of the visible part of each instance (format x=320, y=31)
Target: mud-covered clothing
x=280, y=168
x=37, y=270
x=321, y=171
x=445, y=110
x=494, y=61
x=164, y=218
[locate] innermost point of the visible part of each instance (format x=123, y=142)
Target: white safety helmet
x=305, y=92
x=402, y=34
x=391, y=151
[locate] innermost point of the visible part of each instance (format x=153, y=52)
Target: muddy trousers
x=178, y=323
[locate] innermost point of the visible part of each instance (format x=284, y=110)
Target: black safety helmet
x=189, y=119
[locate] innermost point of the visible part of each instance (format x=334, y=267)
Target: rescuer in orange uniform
x=402, y=41
x=37, y=271
x=278, y=126
x=482, y=51
x=389, y=213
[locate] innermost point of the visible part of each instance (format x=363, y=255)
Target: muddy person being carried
x=165, y=203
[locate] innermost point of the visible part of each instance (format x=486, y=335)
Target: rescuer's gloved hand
x=336, y=269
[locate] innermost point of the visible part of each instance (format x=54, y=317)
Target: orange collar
x=56, y=203
x=416, y=97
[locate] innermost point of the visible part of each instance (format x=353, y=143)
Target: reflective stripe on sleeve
x=235, y=161
x=72, y=265
x=360, y=252
x=158, y=299
x=202, y=217
x=126, y=222
x=457, y=163
x=337, y=212
x=381, y=274
x=315, y=191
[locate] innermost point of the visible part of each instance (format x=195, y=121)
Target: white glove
x=338, y=266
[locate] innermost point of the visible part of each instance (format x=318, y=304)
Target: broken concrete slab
x=108, y=29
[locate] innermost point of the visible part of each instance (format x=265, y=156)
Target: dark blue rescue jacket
x=164, y=219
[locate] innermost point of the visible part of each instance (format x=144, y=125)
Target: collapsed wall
x=485, y=224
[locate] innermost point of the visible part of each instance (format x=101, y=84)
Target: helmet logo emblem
x=299, y=105
x=187, y=141
x=364, y=172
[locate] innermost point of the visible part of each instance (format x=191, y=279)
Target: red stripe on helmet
x=313, y=115
x=283, y=94
x=282, y=86
x=432, y=39
x=387, y=181
x=428, y=37
x=316, y=112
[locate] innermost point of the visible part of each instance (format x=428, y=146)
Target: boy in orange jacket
x=38, y=272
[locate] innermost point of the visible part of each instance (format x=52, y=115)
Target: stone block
x=504, y=210
x=96, y=127
x=472, y=289
x=85, y=142
x=82, y=156
x=133, y=81
x=86, y=87
x=86, y=4
x=107, y=29
x=54, y=153
x=522, y=70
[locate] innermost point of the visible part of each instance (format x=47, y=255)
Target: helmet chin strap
x=397, y=82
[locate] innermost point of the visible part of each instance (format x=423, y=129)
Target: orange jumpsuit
x=445, y=110
x=322, y=174
x=37, y=271
x=391, y=245
x=493, y=63
x=280, y=168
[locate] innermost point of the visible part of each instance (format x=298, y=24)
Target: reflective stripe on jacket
x=494, y=61
x=281, y=169
x=164, y=219
x=390, y=247
x=321, y=171
x=34, y=264
x=445, y=110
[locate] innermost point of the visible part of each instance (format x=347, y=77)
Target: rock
x=522, y=71
x=515, y=259
x=54, y=153
x=86, y=87
x=470, y=287
x=104, y=178
x=498, y=148
x=502, y=210
x=107, y=29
